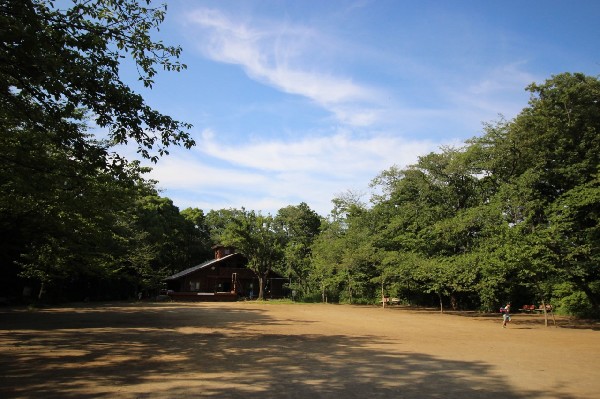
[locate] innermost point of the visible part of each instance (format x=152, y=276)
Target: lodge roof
x=192, y=269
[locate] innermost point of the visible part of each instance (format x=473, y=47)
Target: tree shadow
x=175, y=351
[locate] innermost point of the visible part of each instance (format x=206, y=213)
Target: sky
x=303, y=101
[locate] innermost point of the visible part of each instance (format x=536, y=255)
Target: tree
x=344, y=256
x=575, y=239
x=54, y=61
x=300, y=226
x=60, y=215
x=258, y=238
x=166, y=235
x=327, y=250
x=560, y=129
x=513, y=215
x=197, y=232
x=65, y=197
x=217, y=221
x=556, y=191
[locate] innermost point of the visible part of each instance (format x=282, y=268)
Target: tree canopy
x=59, y=64
x=72, y=211
x=259, y=239
x=511, y=215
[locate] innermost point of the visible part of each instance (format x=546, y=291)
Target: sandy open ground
x=258, y=350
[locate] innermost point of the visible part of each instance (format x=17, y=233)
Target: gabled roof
x=192, y=269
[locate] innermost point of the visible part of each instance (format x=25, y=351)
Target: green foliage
x=576, y=304
x=575, y=237
x=258, y=238
x=217, y=221
x=300, y=226
x=571, y=301
x=56, y=60
x=511, y=214
x=197, y=241
x=78, y=220
x=327, y=253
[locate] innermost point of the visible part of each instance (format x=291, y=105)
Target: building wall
x=219, y=278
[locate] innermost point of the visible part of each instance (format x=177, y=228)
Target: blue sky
x=301, y=101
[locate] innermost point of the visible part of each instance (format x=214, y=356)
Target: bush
x=575, y=304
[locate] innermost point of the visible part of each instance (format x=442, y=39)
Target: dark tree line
x=74, y=215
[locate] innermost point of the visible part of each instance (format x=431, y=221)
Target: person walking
x=506, y=315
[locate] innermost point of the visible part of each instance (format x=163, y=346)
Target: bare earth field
x=263, y=350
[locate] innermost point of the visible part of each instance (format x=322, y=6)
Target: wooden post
x=382, y=294
x=42, y=290
x=545, y=313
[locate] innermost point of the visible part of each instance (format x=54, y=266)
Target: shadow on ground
x=180, y=351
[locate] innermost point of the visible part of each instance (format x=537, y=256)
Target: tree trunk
x=545, y=312
x=261, y=288
x=441, y=303
x=42, y=291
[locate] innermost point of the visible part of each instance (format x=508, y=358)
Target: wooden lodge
x=224, y=278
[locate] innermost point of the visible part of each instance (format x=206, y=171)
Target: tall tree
x=259, y=239
x=344, y=254
x=64, y=194
x=327, y=250
x=300, y=226
x=197, y=232
x=217, y=221
x=575, y=239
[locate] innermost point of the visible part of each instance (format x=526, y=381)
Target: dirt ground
x=266, y=350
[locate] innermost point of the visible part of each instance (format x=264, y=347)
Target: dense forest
x=512, y=215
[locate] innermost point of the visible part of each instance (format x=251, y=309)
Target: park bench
x=527, y=308
x=532, y=308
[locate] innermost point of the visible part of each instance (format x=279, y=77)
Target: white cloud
x=283, y=56
x=268, y=175
x=437, y=98
x=340, y=153
x=497, y=90
x=298, y=60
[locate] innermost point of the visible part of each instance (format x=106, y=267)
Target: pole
x=382, y=295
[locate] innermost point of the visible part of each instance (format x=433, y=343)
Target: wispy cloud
x=283, y=56
x=303, y=60
x=498, y=89
x=274, y=174
x=383, y=98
